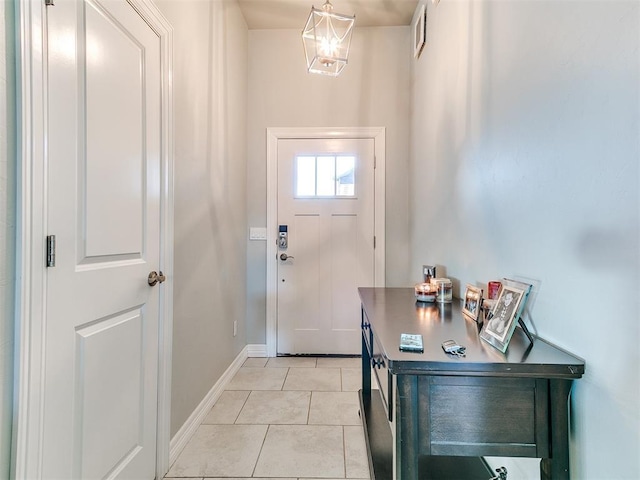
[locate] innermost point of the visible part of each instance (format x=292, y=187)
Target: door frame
x=31, y=278
x=378, y=135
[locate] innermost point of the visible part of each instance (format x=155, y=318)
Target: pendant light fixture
x=327, y=38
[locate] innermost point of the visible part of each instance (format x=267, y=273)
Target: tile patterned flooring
x=283, y=418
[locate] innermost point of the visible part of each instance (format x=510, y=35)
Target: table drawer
x=483, y=416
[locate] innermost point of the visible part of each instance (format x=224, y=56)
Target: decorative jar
x=426, y=292
x=444, y=288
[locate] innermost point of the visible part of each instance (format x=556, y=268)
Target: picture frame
x=419, y=31
x=503, y=318
x=472, y=305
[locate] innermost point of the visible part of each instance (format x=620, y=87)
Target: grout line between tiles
x=242, y=408
x=344, y=451
x=264, y=439
x=285, y=379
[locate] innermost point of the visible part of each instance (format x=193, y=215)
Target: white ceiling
x=270, y=14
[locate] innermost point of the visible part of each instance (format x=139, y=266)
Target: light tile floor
x=282, y=418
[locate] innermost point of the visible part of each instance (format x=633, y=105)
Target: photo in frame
x=526, y=287
x=503, y=318
x=472, y=302
x=419, y=31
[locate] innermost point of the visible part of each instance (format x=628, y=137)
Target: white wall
x=7, y=228
x=210, y=72
x=373, y=90
x=525, y=162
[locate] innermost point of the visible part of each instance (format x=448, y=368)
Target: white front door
x=326, y=202
x=102, y=317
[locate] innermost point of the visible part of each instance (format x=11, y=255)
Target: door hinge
x=374, y=242
x=51, y=250
x=375, y=162
x=49, y=3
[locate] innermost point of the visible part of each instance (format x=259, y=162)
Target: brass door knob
x=155, y=277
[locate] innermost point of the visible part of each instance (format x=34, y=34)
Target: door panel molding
x=31, y=287
x=378, y=135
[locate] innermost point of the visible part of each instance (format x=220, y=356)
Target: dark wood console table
x=440, y=408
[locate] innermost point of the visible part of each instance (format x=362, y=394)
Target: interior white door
x=326, y=200
x=102, y=317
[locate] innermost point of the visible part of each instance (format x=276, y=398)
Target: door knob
x=155, y=277
x=284, y=257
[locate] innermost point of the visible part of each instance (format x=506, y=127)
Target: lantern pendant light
x=326, y=38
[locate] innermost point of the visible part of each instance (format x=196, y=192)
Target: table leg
x=407, y=427
x=366, y=369
x=557, y=466
x=366, y=358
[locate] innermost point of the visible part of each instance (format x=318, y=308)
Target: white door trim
x=31, y=288
x=275, y=134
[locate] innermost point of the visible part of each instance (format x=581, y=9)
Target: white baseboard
x=257, y=350
x=182, y=437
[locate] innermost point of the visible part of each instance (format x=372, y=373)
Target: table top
x=393, y=311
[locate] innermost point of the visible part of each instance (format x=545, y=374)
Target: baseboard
x=182, y=437
x=257, y=350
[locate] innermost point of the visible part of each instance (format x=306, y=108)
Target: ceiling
x=272, y=14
